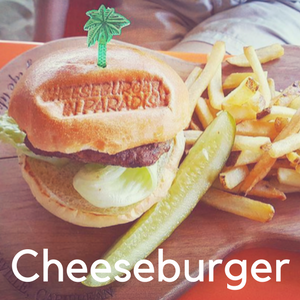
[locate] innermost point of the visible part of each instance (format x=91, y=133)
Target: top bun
x=66, y=103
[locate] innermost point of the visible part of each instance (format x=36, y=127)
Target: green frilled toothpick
x=103, y=24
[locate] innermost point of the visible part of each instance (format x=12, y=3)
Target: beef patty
x=141, y=156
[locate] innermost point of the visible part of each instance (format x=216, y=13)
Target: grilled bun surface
x=73, y=105
x=52, y=187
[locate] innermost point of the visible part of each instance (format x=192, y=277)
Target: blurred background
x=54, y=18
x=176, y=25
x=16, y=20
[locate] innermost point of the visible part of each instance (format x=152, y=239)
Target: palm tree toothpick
x=103, y=24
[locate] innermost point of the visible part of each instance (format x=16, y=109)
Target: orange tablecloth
x=288, y=288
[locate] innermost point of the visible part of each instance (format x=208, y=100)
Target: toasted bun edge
x=110, y=131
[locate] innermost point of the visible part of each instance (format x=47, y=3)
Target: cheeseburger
x=107, y=141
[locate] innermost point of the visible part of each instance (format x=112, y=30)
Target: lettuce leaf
x=102, y=186
x=113, y=186
x=10, y=133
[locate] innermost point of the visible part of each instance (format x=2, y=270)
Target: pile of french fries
x=265, y=159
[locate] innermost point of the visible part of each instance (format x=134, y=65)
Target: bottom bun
x=52, y=186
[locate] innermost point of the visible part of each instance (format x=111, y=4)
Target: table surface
x=288, y=287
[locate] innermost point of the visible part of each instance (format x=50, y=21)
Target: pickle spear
x=195, y=175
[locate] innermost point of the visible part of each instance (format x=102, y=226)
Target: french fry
x=275, y=112
x=248, y=157
x=285, y=146
x=215, y=92
x=258, y=71
x=267, y=138
x=246, y=93
x=213, y=111
x=256, y=128
x=242, y=144
x=295, y=104
x=249, y=143
x=242, y=206
x=284, y=188
x=266, y=147
x=235, y=79
x=280, y=123
x=297, y=168
x=203, y=112
x=233, y=177
x=193, y=77
x=271, y=84
x=288, y=177
x=259, y=172
x=240, y=113
x=293, y=157
x=241, y=158
x=213, y=62
x=189, y=82
x=288, y=95
x=264, y=55
x=266, y=162
x=191, y=136
x=263, y=189
x=263, y=113
x=194, y=126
